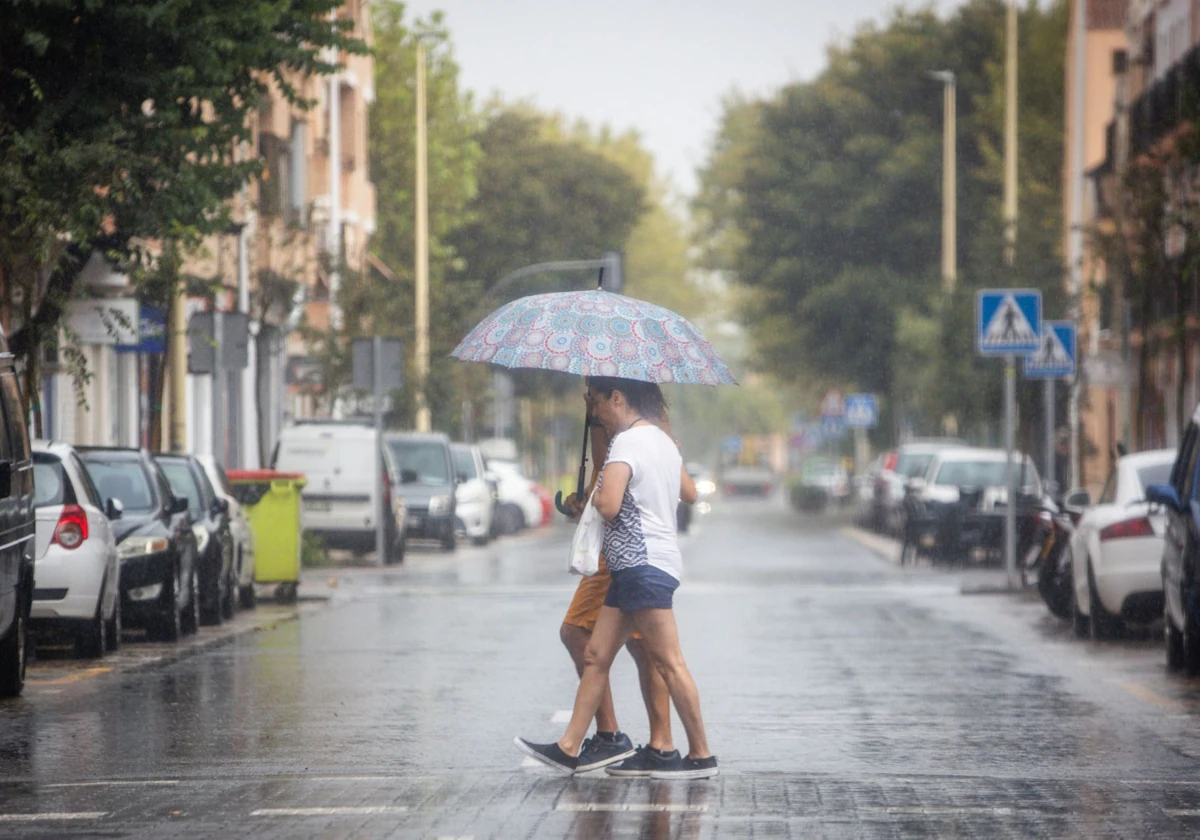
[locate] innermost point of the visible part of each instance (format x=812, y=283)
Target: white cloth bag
x=588, y=540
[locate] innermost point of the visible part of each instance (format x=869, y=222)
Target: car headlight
x=704, y=487
x=439, y=505
x=141, y=546
x=201, y=537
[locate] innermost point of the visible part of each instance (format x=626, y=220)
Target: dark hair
x=646, y=398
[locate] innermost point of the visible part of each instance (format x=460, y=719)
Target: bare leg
x=611, y=631
x=655, y=695
x=575, y=639
x=661, y=640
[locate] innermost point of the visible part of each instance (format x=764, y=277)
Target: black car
x=214, y=536
x=157, y=547
x=1181, y=553
x=421, y=470
x=17, y=527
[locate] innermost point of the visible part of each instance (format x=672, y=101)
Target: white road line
x=1182, y=812
x=632, y=807
x=921, y=811
x=561, y=716
x=53, y=817
x=147, y=783
x=363, y=811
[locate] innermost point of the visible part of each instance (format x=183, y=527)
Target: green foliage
x=824, y=202
x=120, y=121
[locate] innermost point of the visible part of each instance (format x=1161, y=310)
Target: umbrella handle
x=563, y=509
x=587, y=423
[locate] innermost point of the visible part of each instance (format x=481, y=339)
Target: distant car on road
x=155, y=542
x=754, y=480
x=520, y=505
x=1117, y=548
x=78, y=573
x=476, y=504
x=911, y=461
x=239, y=528
x=421, y=470
x=822, y=481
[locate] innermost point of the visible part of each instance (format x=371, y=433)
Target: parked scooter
x=1049, y=557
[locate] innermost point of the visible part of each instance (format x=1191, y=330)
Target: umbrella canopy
x=595, y=333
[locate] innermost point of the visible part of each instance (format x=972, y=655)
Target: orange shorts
x=589, y=598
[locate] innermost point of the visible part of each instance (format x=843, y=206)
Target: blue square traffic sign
x=1055, y=357
x=1008, y=322
x=862, y=412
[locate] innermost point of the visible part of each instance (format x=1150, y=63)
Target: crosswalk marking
x=360, y=811
x=633, y=807
x=54, y=816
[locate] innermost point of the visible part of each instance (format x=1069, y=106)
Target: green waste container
x=271, y=500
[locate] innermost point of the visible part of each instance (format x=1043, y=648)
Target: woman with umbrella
x=637, y=493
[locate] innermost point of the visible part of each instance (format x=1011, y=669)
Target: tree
x=121, y=123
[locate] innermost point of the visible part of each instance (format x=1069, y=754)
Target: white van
x=338, y=500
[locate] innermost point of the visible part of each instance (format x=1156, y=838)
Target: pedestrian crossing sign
x=862, y=412
x=1055, y=357
x=1009, y=321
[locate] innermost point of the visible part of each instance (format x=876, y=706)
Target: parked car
x=17, y=530
x=338, y=502
x=747, y=480
x=78, y=574
x=822, y=481
x=155, y=542
x=955, y=511
x=239, y=528
x=863, y=492
x=1117, y=547
x=1181, y=552
x=911, y=461
x=519, y=505
x=214, y=537
x=422, y=472
x=474, y=499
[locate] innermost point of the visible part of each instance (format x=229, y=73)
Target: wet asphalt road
x=845, y=698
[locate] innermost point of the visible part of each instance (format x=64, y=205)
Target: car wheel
x=190, y=619
x=1101, y=625
x=91, y=638
x=450, y=541
x=112, y=636
x=1190, y=642
x=248, y=597
x=1174, y=640
x=168, y=624
x=14, y=649
x=480, y=541
x=211, y=598
x=229, y=596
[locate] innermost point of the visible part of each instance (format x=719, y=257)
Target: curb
x=883, y=547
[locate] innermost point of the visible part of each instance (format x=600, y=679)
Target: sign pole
x=1010, y=474
x=380, y=513
x=1048, y=467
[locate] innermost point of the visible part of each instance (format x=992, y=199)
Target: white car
x=475, y=505
x=1117, y=547
x=239, y=527
x=520, y=506
x=77, y=573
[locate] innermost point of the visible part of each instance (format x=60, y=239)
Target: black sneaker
x=549, y=754
x=644, y=762
x=603, y=750
x=689, y=768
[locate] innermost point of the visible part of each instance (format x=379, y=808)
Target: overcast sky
x=660, y=67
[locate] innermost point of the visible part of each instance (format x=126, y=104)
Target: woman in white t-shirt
x=637, y=495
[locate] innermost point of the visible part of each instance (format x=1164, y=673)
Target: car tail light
x=1139, y=527
x=72, y=527
x=889, y=461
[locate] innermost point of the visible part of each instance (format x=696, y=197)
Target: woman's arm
x=687, y=487
x=614, y=478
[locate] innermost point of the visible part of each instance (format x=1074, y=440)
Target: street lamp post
x=421, y=272
x=949, y=178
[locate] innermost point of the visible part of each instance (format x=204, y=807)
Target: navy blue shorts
x=641, y=588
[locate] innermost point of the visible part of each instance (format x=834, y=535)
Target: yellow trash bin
x=271, y=500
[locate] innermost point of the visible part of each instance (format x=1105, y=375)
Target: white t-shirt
x=643, y=532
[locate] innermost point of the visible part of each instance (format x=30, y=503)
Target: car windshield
x=818, y=467
x=979, y=474
x=124, y=480
x=49, y=481
x=464, y=462
x=912, y=464
x=426, y=458
x=183, y=484
x=1154, y=474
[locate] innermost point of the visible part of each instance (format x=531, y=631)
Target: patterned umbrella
x=595, y=333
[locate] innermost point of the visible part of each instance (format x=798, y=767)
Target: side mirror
x=1163, y=494
x=409, y=477
x=177, y=504
x=114, y=509
x=220, y=505
x=5, y=479
x=1077, y=499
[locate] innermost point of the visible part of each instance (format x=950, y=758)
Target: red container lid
x=262, y=475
